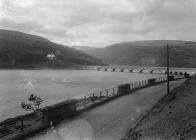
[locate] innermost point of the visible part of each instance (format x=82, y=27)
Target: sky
x=99, y=23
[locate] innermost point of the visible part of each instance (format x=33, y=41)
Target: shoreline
x=172, y=118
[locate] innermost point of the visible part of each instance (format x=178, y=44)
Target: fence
x=106, y=94
x=96, y=96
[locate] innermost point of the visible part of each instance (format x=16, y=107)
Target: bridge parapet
x=138, y=69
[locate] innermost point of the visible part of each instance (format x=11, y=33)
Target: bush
x=34, y=104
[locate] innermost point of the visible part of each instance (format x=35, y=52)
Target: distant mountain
x=83, y=48
x=21, y=50
x=147, y=53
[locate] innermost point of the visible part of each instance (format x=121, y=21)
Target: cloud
x=101, y=22
x=21, y=26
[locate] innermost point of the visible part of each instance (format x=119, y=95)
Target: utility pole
x=167, y=69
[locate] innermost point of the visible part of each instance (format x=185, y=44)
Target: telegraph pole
x=167, y=69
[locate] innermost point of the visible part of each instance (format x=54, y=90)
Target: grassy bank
x=173, y=118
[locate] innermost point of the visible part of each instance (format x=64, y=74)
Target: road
x=109, y=121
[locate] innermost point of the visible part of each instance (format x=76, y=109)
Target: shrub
x=33, y=105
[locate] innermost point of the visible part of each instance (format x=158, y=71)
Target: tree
x=34, y=104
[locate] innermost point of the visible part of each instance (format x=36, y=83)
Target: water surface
x=55, y=85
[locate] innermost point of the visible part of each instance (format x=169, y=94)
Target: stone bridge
x=139, y=69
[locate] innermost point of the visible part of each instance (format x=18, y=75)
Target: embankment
x=22, y=126
x=173, y=118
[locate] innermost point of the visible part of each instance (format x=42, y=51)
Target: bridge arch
x=186, y=75
x=180, y=73
x=121, y=70
x=117, y=69
x=107, y=69
x=151, y=71
x=124, y=70
x=163, y=71
x=113, y=69
x=156, y=71
x=131, y=70
x=135, y=70
x=141, y=70
x=146, y=71
x=176, y=73
x=99, y=68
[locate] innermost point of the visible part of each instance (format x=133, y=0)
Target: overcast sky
x=101, y=22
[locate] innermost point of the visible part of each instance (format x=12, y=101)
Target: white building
x=51, y=56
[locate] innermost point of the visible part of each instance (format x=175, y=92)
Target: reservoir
x=55, y=86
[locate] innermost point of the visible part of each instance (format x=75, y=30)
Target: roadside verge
x=174, y=117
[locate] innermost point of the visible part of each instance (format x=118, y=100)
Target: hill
x=21, y=50
x=147, y=53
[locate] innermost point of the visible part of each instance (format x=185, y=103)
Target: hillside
x=20, y=50
x=147, y=53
